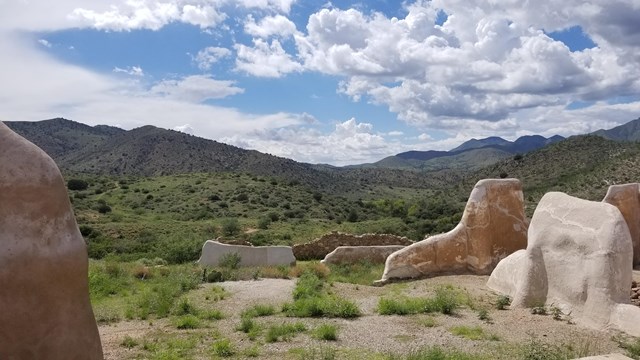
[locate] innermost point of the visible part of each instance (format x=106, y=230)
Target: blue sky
x=339, y=82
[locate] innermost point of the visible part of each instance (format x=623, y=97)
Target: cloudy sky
x=339, y=82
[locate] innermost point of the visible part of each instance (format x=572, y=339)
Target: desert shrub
x=502, y=302
x=77, y=184
x=264, y=222
x=352, y=216
x=230, y=226
x=129, y=342
x=273, y=216
x=184, y=307
x=215, y=276
x=141, y=272
x=103, y=208
x=483, y=314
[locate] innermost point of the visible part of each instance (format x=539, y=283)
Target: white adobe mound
x=213, y=252
x=354, y=254
x=493, y=226
x=579, y=258
x=626, y=198
x=45, y=311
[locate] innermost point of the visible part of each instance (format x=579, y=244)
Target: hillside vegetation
x=171, y=216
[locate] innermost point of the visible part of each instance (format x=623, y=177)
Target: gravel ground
x=371, y=333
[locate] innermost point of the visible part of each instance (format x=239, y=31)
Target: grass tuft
x=223, y=348
x=187, y=322
x=327, y=332
x=284, y=332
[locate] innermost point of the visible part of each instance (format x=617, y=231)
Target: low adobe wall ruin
x=320, y=247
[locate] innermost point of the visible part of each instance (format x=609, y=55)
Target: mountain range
x=151, y=151
x=470, y=155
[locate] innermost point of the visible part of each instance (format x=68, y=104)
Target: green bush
x=77, y=184
x=230, y=226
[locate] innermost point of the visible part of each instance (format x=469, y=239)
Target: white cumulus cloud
x=209, y=56
x=350, y=142
x=265, y=60
x=277, y=25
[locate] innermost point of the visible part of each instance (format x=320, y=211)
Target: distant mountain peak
x=625, y=132
x=480, y=143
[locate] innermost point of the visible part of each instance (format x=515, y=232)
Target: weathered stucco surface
x=579, y=258
x=626, y=198
x=213, y=252
x=493, y=226
x=44, y=296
